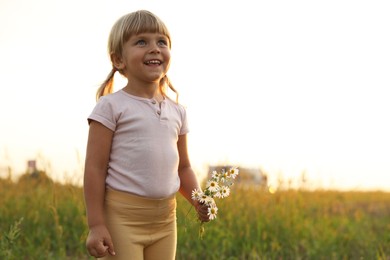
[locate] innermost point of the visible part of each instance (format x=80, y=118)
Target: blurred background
x=292, y=88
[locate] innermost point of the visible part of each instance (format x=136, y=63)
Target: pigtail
x=107, y=86
x=166, y=82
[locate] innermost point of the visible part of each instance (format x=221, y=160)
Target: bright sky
x=288, y=86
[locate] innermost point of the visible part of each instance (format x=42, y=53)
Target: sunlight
x=301, y=86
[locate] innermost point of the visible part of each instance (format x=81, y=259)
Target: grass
x=295, y=224
x=41, y=219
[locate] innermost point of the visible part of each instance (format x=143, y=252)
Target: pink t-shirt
x=144, y=157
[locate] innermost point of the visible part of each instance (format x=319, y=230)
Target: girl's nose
x=155, y=48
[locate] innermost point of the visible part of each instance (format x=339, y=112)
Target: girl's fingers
x=203, y=213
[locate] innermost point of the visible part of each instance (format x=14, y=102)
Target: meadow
x=41, y=219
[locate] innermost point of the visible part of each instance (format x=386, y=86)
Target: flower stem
x=201, y=230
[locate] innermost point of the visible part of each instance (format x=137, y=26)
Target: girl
x=137, y=157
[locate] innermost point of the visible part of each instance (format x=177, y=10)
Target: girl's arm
x=188, y=179
x=96, y=162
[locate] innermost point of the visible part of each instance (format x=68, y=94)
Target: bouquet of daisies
x=217, y=187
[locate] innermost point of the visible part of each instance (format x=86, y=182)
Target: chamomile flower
x=203, y=198
x=224, y=191
x=214, y=175
x=228, y=174
x=224, y=176
x=212, y=186
x=196, y=194
x=233, y=172
x=209, y=201
x=212, y=212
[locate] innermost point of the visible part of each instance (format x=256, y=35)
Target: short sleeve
x=104, y=113
x=184, y=126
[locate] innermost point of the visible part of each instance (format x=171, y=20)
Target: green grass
x=40, y=219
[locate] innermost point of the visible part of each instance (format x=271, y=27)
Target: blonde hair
x=134, y=23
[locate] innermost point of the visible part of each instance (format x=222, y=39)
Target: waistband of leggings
x=126, y=197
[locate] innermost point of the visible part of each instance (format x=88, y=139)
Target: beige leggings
x=141, y=228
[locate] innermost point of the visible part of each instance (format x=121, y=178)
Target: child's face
x=146, y=57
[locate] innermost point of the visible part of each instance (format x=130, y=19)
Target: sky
x=289, y=87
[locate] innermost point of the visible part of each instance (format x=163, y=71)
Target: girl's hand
x=202, y=210
x=99, y=242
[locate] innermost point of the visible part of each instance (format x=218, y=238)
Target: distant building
x=33, y=174
x=31, y=166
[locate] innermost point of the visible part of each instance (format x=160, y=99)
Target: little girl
x=137, y=157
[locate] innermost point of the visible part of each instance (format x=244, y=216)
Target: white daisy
x=212, y=186
x=233, y=172
x=218, y=194
x=224, y=176
x=214, y=175
x=225, y=191
x=196, y=194
x=212, y=212
x=209, y=201
x=202, y=198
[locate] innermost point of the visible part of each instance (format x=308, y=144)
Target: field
x=40, y=219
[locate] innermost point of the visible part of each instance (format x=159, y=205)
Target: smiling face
x=145, y=58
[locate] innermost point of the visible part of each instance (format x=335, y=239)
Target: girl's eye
x=162, y=43
x=141, y=42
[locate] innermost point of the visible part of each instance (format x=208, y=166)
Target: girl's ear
x=117, y=61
